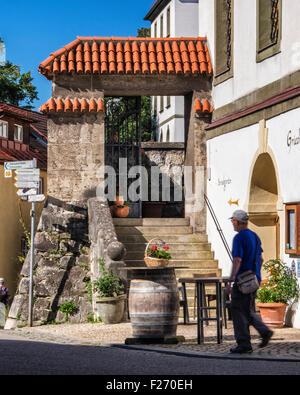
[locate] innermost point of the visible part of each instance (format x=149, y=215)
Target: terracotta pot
x=272, y=314
x=121, y=212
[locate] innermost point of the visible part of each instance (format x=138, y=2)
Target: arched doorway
x=262, y=208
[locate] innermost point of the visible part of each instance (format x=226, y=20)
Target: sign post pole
x=27, y=176
x=30, y=307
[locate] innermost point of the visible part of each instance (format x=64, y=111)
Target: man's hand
x=228, y=289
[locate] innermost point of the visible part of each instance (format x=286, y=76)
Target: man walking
x=4, y=297
x=247, y=255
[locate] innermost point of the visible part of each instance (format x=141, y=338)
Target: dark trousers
x=243, y=315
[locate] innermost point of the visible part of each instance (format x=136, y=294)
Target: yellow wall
x=11, y=230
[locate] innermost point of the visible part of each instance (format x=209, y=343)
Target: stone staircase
x=192, y=251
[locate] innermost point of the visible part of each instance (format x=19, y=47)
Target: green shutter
x=264, y=23
x=223, y=36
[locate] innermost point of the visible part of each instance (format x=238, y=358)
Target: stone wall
x=75, y=154
x=61, y=268
x=169, y=158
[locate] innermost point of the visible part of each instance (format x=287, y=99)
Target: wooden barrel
x=154, y=303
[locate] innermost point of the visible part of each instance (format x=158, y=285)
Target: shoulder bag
x=247, y=281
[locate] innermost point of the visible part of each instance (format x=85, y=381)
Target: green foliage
x=281, y=286
x=69, y=308
x=144, y=32
x=16, y=87
x=109, y=284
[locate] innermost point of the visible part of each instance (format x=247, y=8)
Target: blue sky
x=32, y=29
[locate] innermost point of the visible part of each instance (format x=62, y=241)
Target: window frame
x=20, y=127
x=296, y=208
x=162, y=26
x=225, y=75
x=2, y=123
x=168, y=22
x=271, y=49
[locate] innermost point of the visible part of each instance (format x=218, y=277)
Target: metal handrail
x=224, y=241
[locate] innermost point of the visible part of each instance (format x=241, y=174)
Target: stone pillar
x=196, y=155
x=75, y=154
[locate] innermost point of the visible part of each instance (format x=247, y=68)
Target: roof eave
x=157, y=7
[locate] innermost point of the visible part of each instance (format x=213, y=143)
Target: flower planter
x=111, y=310
x=272, y=314
x=121, y=212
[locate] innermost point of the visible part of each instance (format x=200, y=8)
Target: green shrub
x=281, y=286
x=108, y=284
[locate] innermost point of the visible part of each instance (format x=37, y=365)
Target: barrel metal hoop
x=155, y=291
x=152, y=284
x=154, y=323
x=154, y=315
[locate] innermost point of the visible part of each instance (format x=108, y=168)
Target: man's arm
x=236, y=263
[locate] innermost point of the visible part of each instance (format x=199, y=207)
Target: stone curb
x=195, y=354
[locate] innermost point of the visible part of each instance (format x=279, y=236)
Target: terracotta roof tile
x=72, y=105
x=202, y=108
x=100, y=55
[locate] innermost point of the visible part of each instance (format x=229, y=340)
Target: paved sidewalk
x=285, y=344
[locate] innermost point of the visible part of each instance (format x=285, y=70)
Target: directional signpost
x=27, y=178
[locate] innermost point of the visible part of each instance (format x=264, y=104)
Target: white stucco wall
x=248, y=74
x=230, y=158
x=184, y=23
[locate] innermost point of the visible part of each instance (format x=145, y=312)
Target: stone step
x=151, y=221
x=143, y=238
x=174, y=247
x=178, y=255
x=202, y=265
x=188, y=272
x=153, y=230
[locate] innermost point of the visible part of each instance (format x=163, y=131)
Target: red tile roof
x=11, y=151
x=132, y=55
x=54, y=105
x=19, y=112
x=202, y=108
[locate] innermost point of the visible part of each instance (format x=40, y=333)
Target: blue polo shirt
x=244, y=247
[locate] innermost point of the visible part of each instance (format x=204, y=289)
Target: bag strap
x=255, y=253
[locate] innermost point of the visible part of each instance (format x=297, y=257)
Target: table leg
x=218, y=312
x=200, y=289
x=185, y=305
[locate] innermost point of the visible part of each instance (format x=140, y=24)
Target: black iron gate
x=123, y=141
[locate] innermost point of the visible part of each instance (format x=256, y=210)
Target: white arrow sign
x=25, y=177
x=26, y=184
x=27, y=172
x=29, y=164
x=26, y=192
x=37, y=198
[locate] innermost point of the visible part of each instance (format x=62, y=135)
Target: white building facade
x=172, y=18
x=254, y=140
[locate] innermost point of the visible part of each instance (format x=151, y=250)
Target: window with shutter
x=268, y=28
x=223, y=40
x=292, y=229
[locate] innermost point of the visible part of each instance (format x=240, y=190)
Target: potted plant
x=121, y=210
x=278, y=290
x=158, y=255
x=109, y=291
